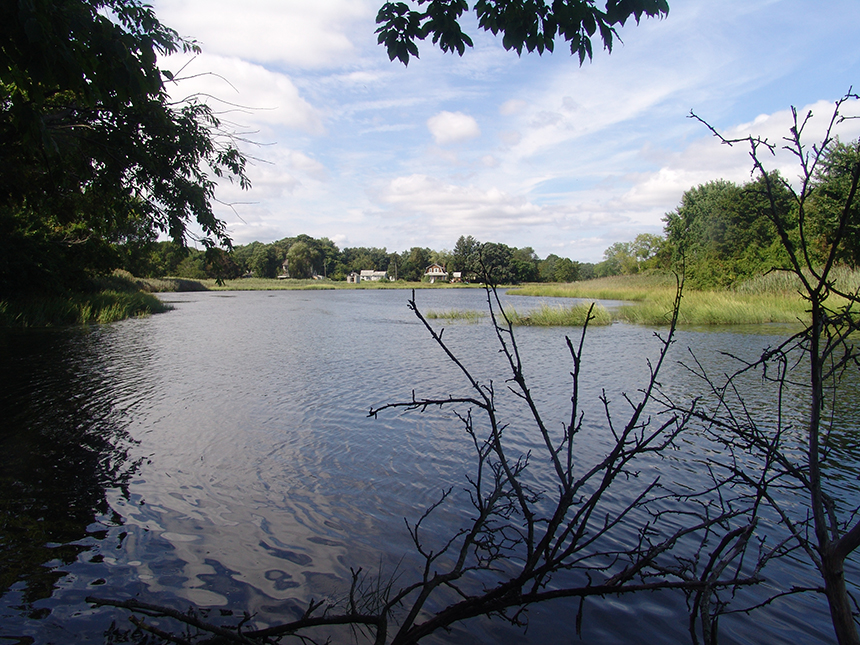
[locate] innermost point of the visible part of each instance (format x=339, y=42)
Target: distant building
x=435, y=272
x=368, y=275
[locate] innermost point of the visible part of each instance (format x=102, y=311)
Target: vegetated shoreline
x=109, y=299
x=646, y=299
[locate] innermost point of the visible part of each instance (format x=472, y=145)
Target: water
x=221, y=454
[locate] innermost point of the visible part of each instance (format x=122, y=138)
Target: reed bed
x=559, y=316
x=79, y=309
x=634, y=288
x=468, y=315
x=717, y=308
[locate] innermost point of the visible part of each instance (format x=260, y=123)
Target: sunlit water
x=221, y=454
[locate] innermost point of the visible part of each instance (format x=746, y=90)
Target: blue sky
x=531, y=151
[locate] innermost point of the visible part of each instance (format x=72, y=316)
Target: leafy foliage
x=530, y=25
x=722, y=234
x=92, y=150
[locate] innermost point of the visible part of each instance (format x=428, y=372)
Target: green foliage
x=119, y=299
x=627, y=258
x=93, y=154
x=530, y=25
x=722, y=234
x=265, y=261
x=833, y=180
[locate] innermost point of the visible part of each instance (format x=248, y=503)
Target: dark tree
x=798, y=471
x=530, y=25
x=91, y=143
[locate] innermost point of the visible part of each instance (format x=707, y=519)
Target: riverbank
x=112, y=298
x=772, y=298
x=267, y=284
x=648, y=299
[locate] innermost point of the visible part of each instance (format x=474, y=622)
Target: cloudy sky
x=531, y=151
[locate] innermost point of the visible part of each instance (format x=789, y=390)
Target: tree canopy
x=530, y=25
x=92, y=148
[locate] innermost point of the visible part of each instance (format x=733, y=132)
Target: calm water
x=221, y=454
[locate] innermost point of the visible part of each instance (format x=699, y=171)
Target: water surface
x=221, y=454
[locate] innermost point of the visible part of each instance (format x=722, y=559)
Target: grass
x=772, y=298
x=634, y=288
x=559, y=316
x=78, y=309
x=111, y=298
x=469, y=315
x=716, y=308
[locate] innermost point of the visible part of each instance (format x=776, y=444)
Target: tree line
x=723, y=233
x=304, y=257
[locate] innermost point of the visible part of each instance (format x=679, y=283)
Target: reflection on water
x=220, y=454
x=63, y=444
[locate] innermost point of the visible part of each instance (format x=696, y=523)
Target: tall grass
x=78, y=309
x=469, y=315
x=559, y=316
x=717, y=308
x=107, y=299
x=630, y=287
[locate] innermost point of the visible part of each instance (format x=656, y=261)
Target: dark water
x=221, y=454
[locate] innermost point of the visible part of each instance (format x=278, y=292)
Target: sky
x=528, y=151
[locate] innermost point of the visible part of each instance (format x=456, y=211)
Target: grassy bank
x=772, y=298
x=78, y=309
x=633, y=288
x=109, y=299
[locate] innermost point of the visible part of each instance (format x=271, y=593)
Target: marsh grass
x=468, y=315
x=559, y=316
x=107, y=299
x=634, y=288
x=717, y=308
x=78, y=309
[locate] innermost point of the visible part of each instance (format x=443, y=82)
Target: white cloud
x=245, y=93
x=513, y=106
x=453, y=127
x=287, y=32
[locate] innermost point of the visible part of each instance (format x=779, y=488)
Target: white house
x=436, y=272
x=368, y=275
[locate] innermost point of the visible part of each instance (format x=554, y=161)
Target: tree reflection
x=63, y=444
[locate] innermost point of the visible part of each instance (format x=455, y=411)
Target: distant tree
x=618, y=259
x=328, y=255
x=546, y=268
x=566, y=270
x=193, y=266
x=414, y=263
x=463, y=255
x=832, y=182
x=524, y=265
x=645, y=248
x=493, y=264
x=530, y=25
x=722, y=234
x=265, y=262
x=300, y=260
x=166, y=257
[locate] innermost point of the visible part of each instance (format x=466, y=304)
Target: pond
x=221, y=454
